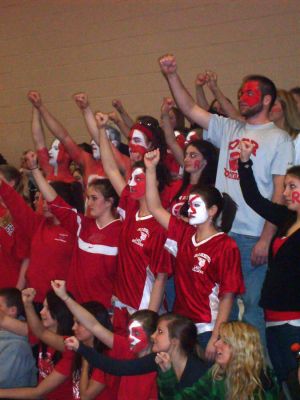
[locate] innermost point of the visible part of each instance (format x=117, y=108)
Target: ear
x=212, y=211
x=12, y=311
x=175, y=342
x=267, y=99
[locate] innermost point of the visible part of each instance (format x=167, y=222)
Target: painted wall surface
x=109, y=48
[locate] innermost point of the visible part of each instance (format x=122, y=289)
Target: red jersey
x=64, y=366
x=94, y=257
x=176, y=204
x=60, y=173
x=204, y=272
x=137, y=387
x=141, y=254
x=13, y=250
x=50, y=245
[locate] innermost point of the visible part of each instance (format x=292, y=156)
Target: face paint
x=96, y=150
x=137, y=142
x=137, y=184
x=53, y=153
x=250, y=93
x=193, y=159
x=197, y=211
x=296, y=197
x=138, y=339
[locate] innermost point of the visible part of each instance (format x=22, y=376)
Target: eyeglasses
x=192, y=155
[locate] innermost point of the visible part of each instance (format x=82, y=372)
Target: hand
x=59, y=288
x=259, y=254
x=167, y=105
x=72, y=343
x=299, y=375
x=28, y=295
x=168, y=64
x=101, y=119
x=246, y=150
x=200, y=80
x=117, y=104
x=164, y=361
x=35, y=98
x=30, y=160
x=151, y=159
x=210, y=351
x=211, y=80
x=113, y=116
x=81, y=99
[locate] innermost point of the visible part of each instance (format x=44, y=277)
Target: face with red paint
x=193, y=160
x=250, y=99
x=291, y=192
x=197, y=211
x=276, y=113
x=137, y=184
x=138, y=339
x=138, y=145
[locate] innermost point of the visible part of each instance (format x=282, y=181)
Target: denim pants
x=279, y=340
x=253, y=279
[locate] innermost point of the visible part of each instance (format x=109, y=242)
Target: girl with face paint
x=207, y=266
x=143, y=264
x=136, y=344
x=280, y=296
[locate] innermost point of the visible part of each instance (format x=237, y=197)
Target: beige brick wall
x=109, y=49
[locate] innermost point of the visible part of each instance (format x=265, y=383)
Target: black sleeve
x=138, y=366
x=272, y=212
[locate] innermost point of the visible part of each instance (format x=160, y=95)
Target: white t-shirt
x=296, y=143
x=273, y=154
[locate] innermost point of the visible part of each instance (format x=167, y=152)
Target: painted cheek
x=255, y=97
x=296, y=197
x=136, y=148
x=197, y=164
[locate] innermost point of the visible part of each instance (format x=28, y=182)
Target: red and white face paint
x=250, y=94
x=292, y=192
x=197, y=210
x=138, y=339
x=138, y=142
x=53, y=153
x=96, y=150
x=137, y=184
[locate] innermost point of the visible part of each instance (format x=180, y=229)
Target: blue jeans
x=253, y=278
x=170, y=293
x=279, y=340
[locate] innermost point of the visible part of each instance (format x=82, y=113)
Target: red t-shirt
x=137, y=387
x=94, y=257
x=141, y=254
x=50, y=245
x=204, y=271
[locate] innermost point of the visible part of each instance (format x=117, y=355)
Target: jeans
x=253, y=278
x=279, y=340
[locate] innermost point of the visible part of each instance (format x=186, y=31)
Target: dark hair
x=183, y=329
x=13, y=298
x=295, y=171
x=71, y=193
x=11, y=173
x=148, y=319
x=266, y=86
x=101, y=314
x=224, y=203
x=295, y=90
x=212, y=109
x=159, y=140
x=2, y=160
x=106, y=189
x=179, y=119
x=86, y=147
x=162, y=174
x=208, y=175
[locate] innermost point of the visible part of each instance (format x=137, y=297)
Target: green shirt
x=205, y=389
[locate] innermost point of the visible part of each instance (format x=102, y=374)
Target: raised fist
x=101, y=119
x=35, y=98
x=81, y=99
x=168, y=64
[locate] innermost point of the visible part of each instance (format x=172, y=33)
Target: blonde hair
x=242, y=374
x=290, y=112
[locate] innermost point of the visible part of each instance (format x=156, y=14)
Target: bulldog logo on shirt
x=203, y=260
x=144, y=234
x=234, y=155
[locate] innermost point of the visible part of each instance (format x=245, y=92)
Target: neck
x=195, y=176
x=280, y=123
x=205, y=231
x=105, y=219
x=259, y=119
x=143, y=209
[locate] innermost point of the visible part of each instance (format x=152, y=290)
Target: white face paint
x=53, y=153
x=197, y=211
x=137, y=183
x=137, y=337
x=96, y=150
x=138, y=138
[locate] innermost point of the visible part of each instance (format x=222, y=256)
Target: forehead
x=292, y=179
x=135, y=324
x=163, y=325
x=138, y=134
x=55, y=143
x=93, y=143
x=137, y=171
x=192, y=149
x=195, y=198
x=251, y=85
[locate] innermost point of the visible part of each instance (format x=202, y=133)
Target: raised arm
x=151, y=160
x=182, y=97
x=36, y=325
x=172, y=143
x=227, y=107
x=38, y=135
x=201, y=99
x=81, y=99
x=124, y=129
x=118, y=105
x=10, y=324
x=109, y=163
x=82, y=315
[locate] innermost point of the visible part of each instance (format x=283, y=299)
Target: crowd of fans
x=160, y=261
